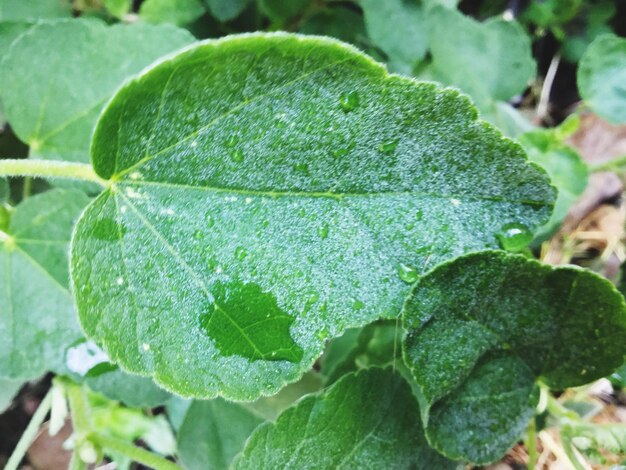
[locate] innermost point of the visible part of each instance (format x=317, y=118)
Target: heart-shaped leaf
x=365, y=420
x=37, y=315
x=485, y=327
x=268, y=192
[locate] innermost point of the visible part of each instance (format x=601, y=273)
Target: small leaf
x=71, y=79
x=602, y=77
x=398, y=27
x=37, y=316
x=246, y=183
x=489, y=61
x=213, y=432
x=566, y=168
x=366, y=420
x=484, y=327
x=178, y=12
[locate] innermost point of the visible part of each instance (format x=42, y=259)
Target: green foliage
x=8, y=389
x=33, y=10
x=275, y=235
x=226, y=10
x=131, y=390
x=54, y=111
x=37, y=319
x=602, y=77
x=368, y=419
x=178, y=12
x=477, y=343
x=490, y=61
x=213, y=432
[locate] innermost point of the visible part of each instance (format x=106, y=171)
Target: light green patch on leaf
x=177, y=12
x=365, y=420
x=399, y=28
x=477, y=342
x=295, y=175
x=213, y=432
x=491, y=61
x=33, y=10
x=602, y=77
x=568, y=171
x=73, y=67
x=37, y=315
x=226, y=10
x=132, y=390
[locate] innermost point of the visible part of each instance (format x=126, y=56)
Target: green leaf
x=398, y=27
x=132, y=390
x=178, y=12
x=5, y=191
x=226, y=10
x=274, y=190
x=37, y=316
x=33, y=10
x=366, y=420
x=118, y=8
x=339, y=22
x=73, y=68
x=485, y=327
x=280, y=10
x=568, y=171
x=489, y=61
x=213, y=432
x=602, y=77
x=8, y=390
x=9, y=31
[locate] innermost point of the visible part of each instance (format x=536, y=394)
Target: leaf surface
x=37, y=314
x=602, y=77
x=73, y=68
x=178, y=12
x=226, y=10
x=485, y=327
x=33, y=10
x=365, y=420
x=213, y=432
x=270, y=191
x=132, y=390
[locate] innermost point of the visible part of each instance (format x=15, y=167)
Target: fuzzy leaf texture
x=368, y=419
x=602, y=77
x=478, y=342
x=269, y=191
x=37, y=314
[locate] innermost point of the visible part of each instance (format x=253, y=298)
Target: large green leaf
x=602, y=77
x=485, y=327
x=132, y=390
x=490, y=61
x=213, y=432
x=33, y=10
x=73, y=67
x=270, y=191
x=37, y=316
x=366, y=420
x=398, y=27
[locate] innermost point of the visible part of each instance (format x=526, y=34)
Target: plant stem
x=133, y=452
x=531, y=444
x=612, y=165
x=49, y=169
x=81, y=420
x=29, y=434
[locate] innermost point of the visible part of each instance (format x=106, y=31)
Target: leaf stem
x=531, y=444
x=29, y=434
x=49, y=169
x=133, y=452
x=612, y=165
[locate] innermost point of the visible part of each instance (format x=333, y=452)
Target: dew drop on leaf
x=407, y=273
x=240, y=253
x=388, y=147
x=349, y=100
x=514, y=237
x=236, y=156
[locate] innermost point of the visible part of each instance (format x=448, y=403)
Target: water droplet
x=407, y=273
x=240, y=253
x=210, y=221
x=389, y=146
x=236, y=156
x=323, y=231
x=358, y=305
x=514, y=237
x=349, y=100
